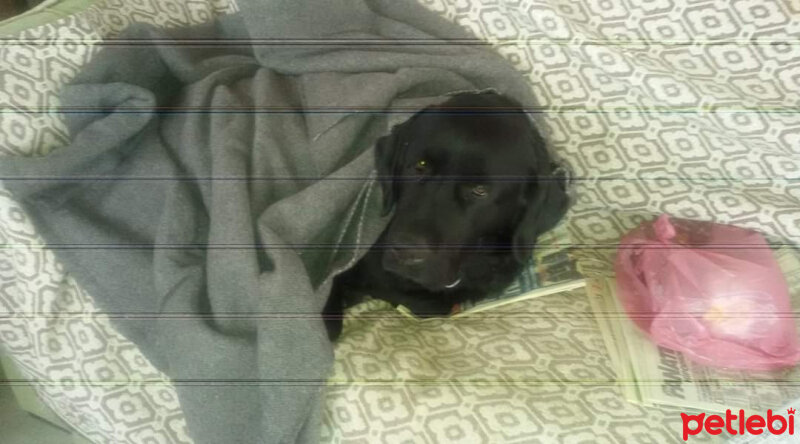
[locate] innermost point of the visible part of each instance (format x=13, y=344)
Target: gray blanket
x=220, y=176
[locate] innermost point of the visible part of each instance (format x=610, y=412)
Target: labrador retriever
x=472, y=186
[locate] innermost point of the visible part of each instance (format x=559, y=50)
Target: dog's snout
x=421, y=261
x=409, y=257
x=410, y=252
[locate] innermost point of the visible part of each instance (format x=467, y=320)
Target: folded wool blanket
x=220, y=176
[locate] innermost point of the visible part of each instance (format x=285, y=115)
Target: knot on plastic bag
x=663, y=229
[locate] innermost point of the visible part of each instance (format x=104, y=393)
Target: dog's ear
x=546, y=203
x=388, y=161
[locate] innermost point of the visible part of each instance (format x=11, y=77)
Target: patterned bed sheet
x=657, y=106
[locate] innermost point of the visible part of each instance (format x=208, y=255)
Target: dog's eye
x=480, y=191
x=421, y=166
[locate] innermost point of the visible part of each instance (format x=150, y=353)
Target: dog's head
x=468, y=178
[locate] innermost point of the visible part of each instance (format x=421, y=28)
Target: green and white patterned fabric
x=658, y=106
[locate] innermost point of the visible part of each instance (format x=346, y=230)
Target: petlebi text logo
x=740, y=424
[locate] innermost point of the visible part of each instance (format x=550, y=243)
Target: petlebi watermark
x=738, y=424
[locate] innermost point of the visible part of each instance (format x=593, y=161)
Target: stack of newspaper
x=652, y=375
x=551, y=270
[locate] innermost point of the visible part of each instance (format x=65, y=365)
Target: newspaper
x=651, y=375
x=552, y=270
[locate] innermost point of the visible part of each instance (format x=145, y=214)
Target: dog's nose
x=410, y=256
x=410, y=251
x=420, y=260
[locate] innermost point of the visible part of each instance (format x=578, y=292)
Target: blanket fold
x=218, y=178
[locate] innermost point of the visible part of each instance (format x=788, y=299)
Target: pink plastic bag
x=711, y=291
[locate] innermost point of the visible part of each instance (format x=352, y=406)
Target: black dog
x=473, y=187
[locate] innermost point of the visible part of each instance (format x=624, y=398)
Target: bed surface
x=698, y=121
